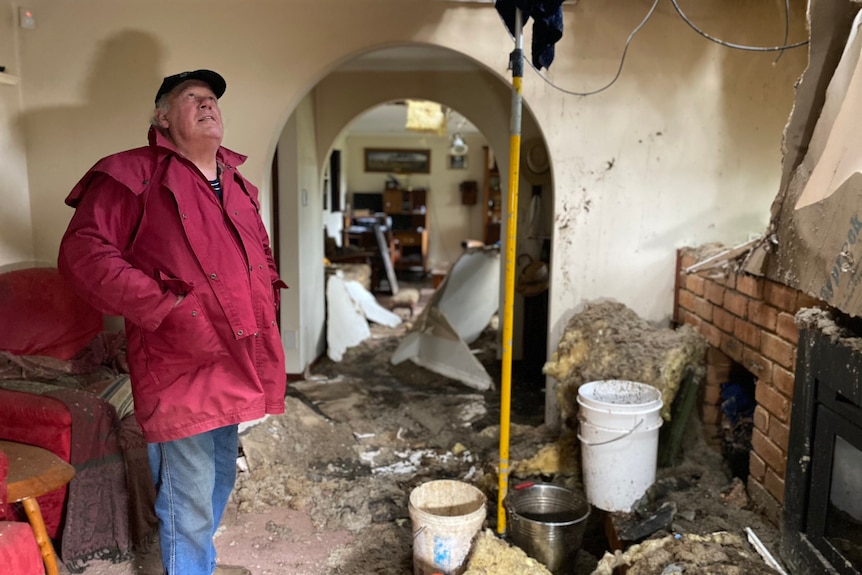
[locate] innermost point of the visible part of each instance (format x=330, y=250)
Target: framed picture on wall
x=398, y=161
x=457, y=162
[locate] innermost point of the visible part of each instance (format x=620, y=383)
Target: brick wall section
x=718, y=367
x=750, y=321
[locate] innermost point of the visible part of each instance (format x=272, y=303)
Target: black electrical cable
x=619, y=69
x=738, y=46
x=694, y=27
x=786, y=29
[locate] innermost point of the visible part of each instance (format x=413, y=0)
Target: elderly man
x=170, y=237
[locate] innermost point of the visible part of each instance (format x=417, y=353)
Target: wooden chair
x=29, y=472
x=19, y=551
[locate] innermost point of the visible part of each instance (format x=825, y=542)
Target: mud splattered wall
x=749, y=321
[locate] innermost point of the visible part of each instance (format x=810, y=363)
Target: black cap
x=212, y=79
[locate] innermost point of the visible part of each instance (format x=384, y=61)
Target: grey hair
x=163, y=105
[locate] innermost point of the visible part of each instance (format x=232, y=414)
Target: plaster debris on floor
x=327, y=483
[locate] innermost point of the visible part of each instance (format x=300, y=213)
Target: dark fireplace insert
x=822, y=530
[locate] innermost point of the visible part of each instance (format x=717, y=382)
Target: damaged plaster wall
x=685, y=151
x=830, y=25
x=812, y=241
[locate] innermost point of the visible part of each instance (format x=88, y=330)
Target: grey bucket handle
x=623, y=436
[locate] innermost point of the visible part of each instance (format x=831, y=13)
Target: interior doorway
x=323, y=122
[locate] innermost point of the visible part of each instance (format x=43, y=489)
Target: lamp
x=458, y=147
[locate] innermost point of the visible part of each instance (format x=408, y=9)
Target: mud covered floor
x=361, y=434
x=327, y=483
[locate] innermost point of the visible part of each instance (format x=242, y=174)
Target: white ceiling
x=391, y=118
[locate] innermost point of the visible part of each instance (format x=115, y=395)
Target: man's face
x=193, y=115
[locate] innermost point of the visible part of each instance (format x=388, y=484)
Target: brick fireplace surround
x=749, y=321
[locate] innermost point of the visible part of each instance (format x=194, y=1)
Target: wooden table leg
x=34, y=514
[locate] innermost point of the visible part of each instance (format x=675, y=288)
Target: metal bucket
x=548, y=523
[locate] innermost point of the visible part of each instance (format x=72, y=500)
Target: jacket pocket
x=186, y=337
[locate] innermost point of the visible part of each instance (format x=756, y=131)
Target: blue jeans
x=194, y=477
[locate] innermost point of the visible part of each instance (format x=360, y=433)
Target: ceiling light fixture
x=458, y=147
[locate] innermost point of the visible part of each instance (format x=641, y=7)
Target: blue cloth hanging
x=737, y=400
x=547, y=25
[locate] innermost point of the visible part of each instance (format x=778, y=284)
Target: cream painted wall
x=684, y=149
x=449, y=221
x=16, y=238
x=301, y=241
x=692, y=130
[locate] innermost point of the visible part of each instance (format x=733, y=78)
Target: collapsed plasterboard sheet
x=470, y=293
x=834, y=154
x=372, y=310
x=813, y=243
x=348, y=311
x=459, y=310
x=439, y=349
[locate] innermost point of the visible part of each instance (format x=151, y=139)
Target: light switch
x=26, y=18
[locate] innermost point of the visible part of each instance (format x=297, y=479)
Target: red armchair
x=19, y=552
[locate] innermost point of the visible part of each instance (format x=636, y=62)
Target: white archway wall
x=300, y=213
x=693, y=129
x=485, y=99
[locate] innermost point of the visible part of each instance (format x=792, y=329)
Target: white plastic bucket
x=619, y=423
x=446, y=515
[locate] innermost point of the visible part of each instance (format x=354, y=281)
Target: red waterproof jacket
x=147, y=228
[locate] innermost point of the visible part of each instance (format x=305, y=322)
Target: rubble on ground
x=492, y=555
x=359, y=435
x=714, y=554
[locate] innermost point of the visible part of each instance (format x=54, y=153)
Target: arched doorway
x=320, y=124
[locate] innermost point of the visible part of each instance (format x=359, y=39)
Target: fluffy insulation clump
x=607, y=340
x=492, y=556
x=714, y=554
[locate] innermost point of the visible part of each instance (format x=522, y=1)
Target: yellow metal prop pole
x=517, y=65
